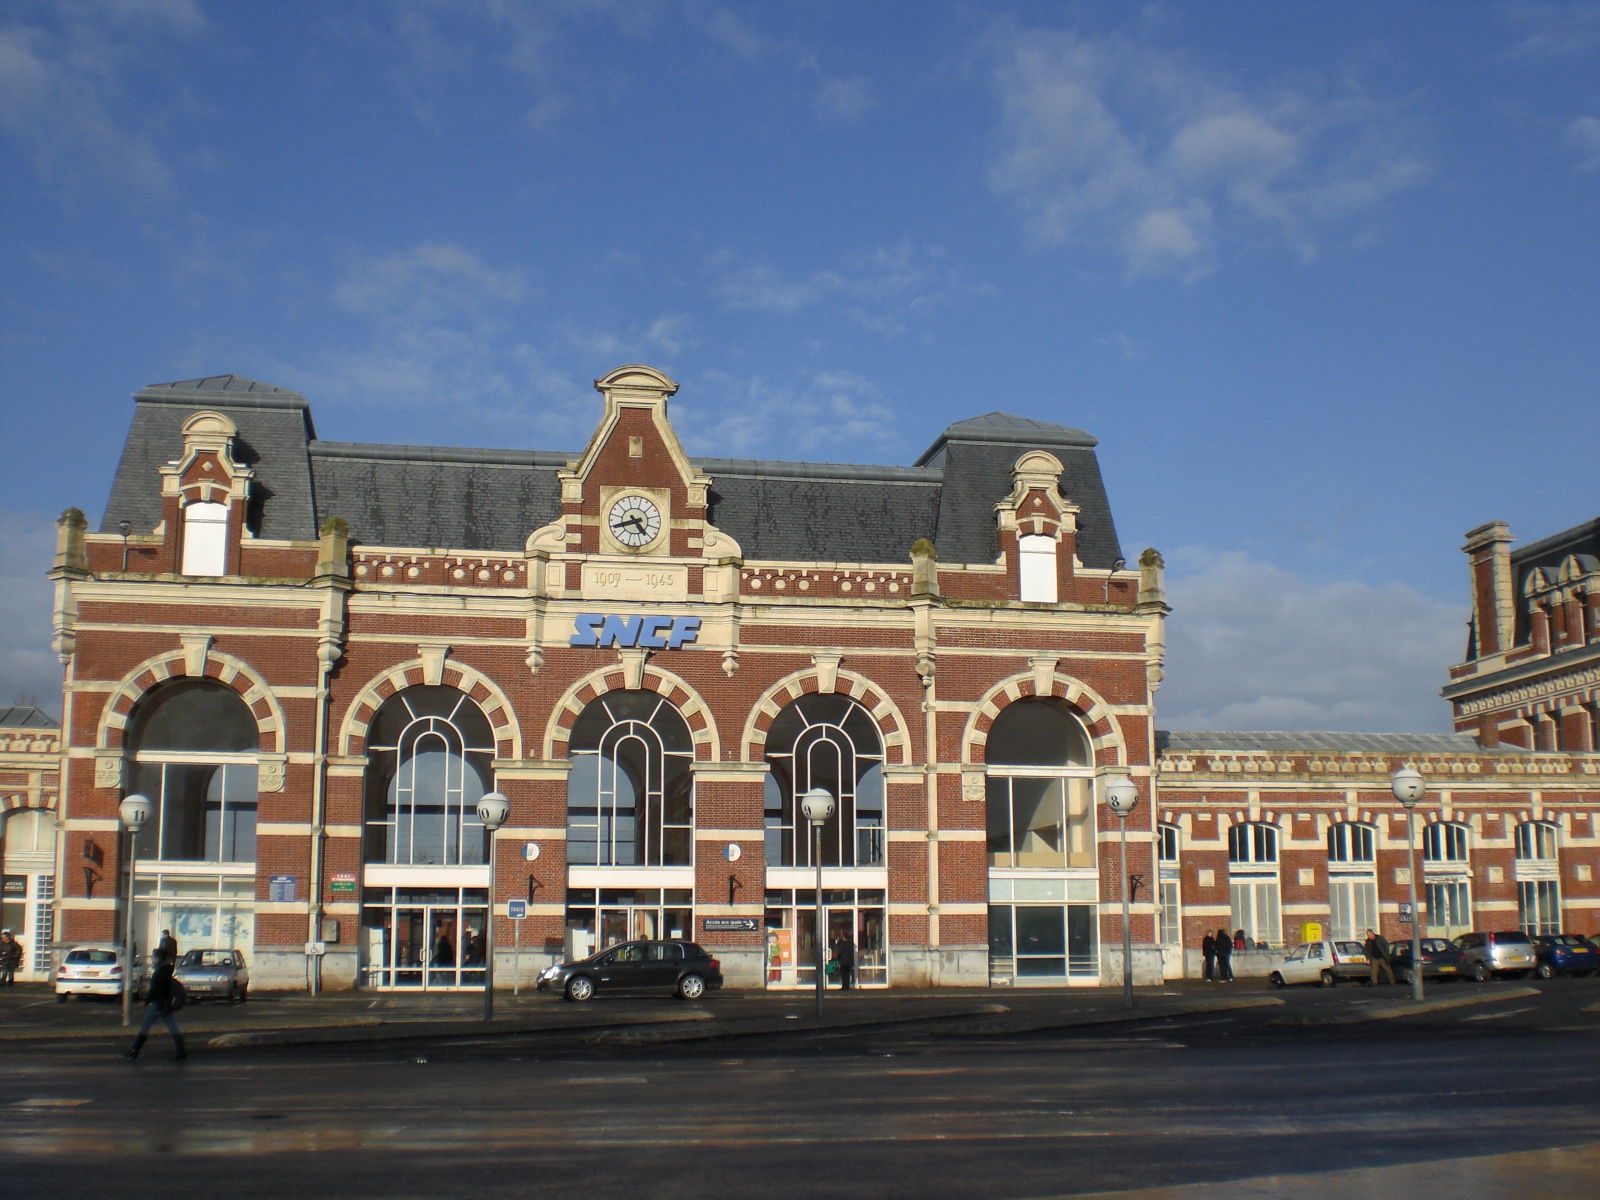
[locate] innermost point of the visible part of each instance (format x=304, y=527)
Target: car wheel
x=691, y=987
x=579, y=987
x=1545, y=971
x=244, y=993
x=61, y=997
x=1329, y=979
x=1276, y=980
x=1480, y=972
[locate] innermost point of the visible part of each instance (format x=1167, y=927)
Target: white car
x=92, y=969
x=1325, y=962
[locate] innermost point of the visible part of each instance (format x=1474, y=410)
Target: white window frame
x=1036, y=568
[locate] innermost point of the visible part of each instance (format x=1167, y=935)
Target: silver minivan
x=1506, y=952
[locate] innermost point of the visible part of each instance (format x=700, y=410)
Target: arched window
x=1040, y=788
x=1444, y=842
x=825, y=740
x=1536, y=840
x=630, y=793
x=194, y=745
x=205, y=538
x=1253, y=882
x=431, y=755
x=1352, y=878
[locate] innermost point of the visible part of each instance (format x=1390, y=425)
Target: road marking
x=1495, y=1016
x=48, y=1102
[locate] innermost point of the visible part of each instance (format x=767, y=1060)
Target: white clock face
x=634, y=520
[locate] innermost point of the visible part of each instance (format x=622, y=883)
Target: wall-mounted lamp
x=1116, y=566
x=126, y=527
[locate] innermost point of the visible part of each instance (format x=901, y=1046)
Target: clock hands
x=634, y=520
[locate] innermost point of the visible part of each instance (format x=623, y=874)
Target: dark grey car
x=1507, y=952
x=214, y=975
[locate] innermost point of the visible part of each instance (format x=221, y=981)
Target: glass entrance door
x=427, y=940
x=791, y=924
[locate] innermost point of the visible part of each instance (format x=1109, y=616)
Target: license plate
x=1447, y=970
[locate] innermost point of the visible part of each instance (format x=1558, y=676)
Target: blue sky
x=1322, y=278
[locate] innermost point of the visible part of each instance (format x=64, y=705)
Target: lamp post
x=1122, y=796
x=1406, y=784
x=134, y=811
x=492, y=811
x=818, y=806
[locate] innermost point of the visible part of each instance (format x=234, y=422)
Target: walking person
x=168, y=945
x=163, y=991
x=1224, y=956
x=1377, y=948
x=10, y=958
x=1208, y=956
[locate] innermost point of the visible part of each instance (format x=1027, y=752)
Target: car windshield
x=1432, y=944
x=1511, y=938
x=91, y=956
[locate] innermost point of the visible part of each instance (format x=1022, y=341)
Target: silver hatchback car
x=1507, y=952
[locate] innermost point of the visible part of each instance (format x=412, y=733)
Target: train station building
x=314, y=659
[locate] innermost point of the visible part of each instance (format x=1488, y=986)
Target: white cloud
x=64, y=87
x=1254, y=646
x=828, y=416
x=29, y=670
x=878, y=289
x=1583, y=135
x=1104, y=141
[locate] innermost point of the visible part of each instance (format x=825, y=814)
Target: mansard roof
x=486, y=499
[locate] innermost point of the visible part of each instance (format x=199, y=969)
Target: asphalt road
x=1493, y=1098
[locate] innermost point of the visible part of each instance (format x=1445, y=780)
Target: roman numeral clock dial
x=634, y=521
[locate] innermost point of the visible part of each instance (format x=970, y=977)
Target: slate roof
x=479, y=499
x=1294, y=741
x=26, y=716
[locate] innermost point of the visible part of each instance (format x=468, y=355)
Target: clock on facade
x=634, y=520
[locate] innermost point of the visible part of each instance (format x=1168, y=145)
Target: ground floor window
x=1353, y=905
x=203, y=911
x=427, y=939
x=791, y=925
x=1044, y=930
x=1171, y=914
x=1253, y=907
x=1539, y=906
x=27, y=911
x=601, y=917
x=1449, y=907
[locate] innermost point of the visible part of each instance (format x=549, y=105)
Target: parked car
x=214, y=974
x=676, y=967
x=1507, y=952
x=1440, y=959
x=92, y=969
x=1325, y=962
x=1565, y=954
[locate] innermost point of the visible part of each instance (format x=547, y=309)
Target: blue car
x=1565, y=954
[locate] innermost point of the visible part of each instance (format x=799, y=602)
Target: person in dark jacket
x=1224, y=956
x=844, y=952
x=160, y=997
x=10, y=958
x=1208, y=955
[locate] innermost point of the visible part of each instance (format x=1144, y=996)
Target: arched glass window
x=194, y=745
x=1352, y=878
x=630, y=793
x=205, y=538
x=1444, y=841
x=825, y=740
x=1536, y=840
x=1039, y=788
x=1253, y=882
x=1351, y=842
x=430, y=760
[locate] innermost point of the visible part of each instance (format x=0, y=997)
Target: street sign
x=517, y=910
x=731, y=924
x=1405, y=913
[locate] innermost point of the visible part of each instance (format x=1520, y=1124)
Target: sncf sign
x=652, y=633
